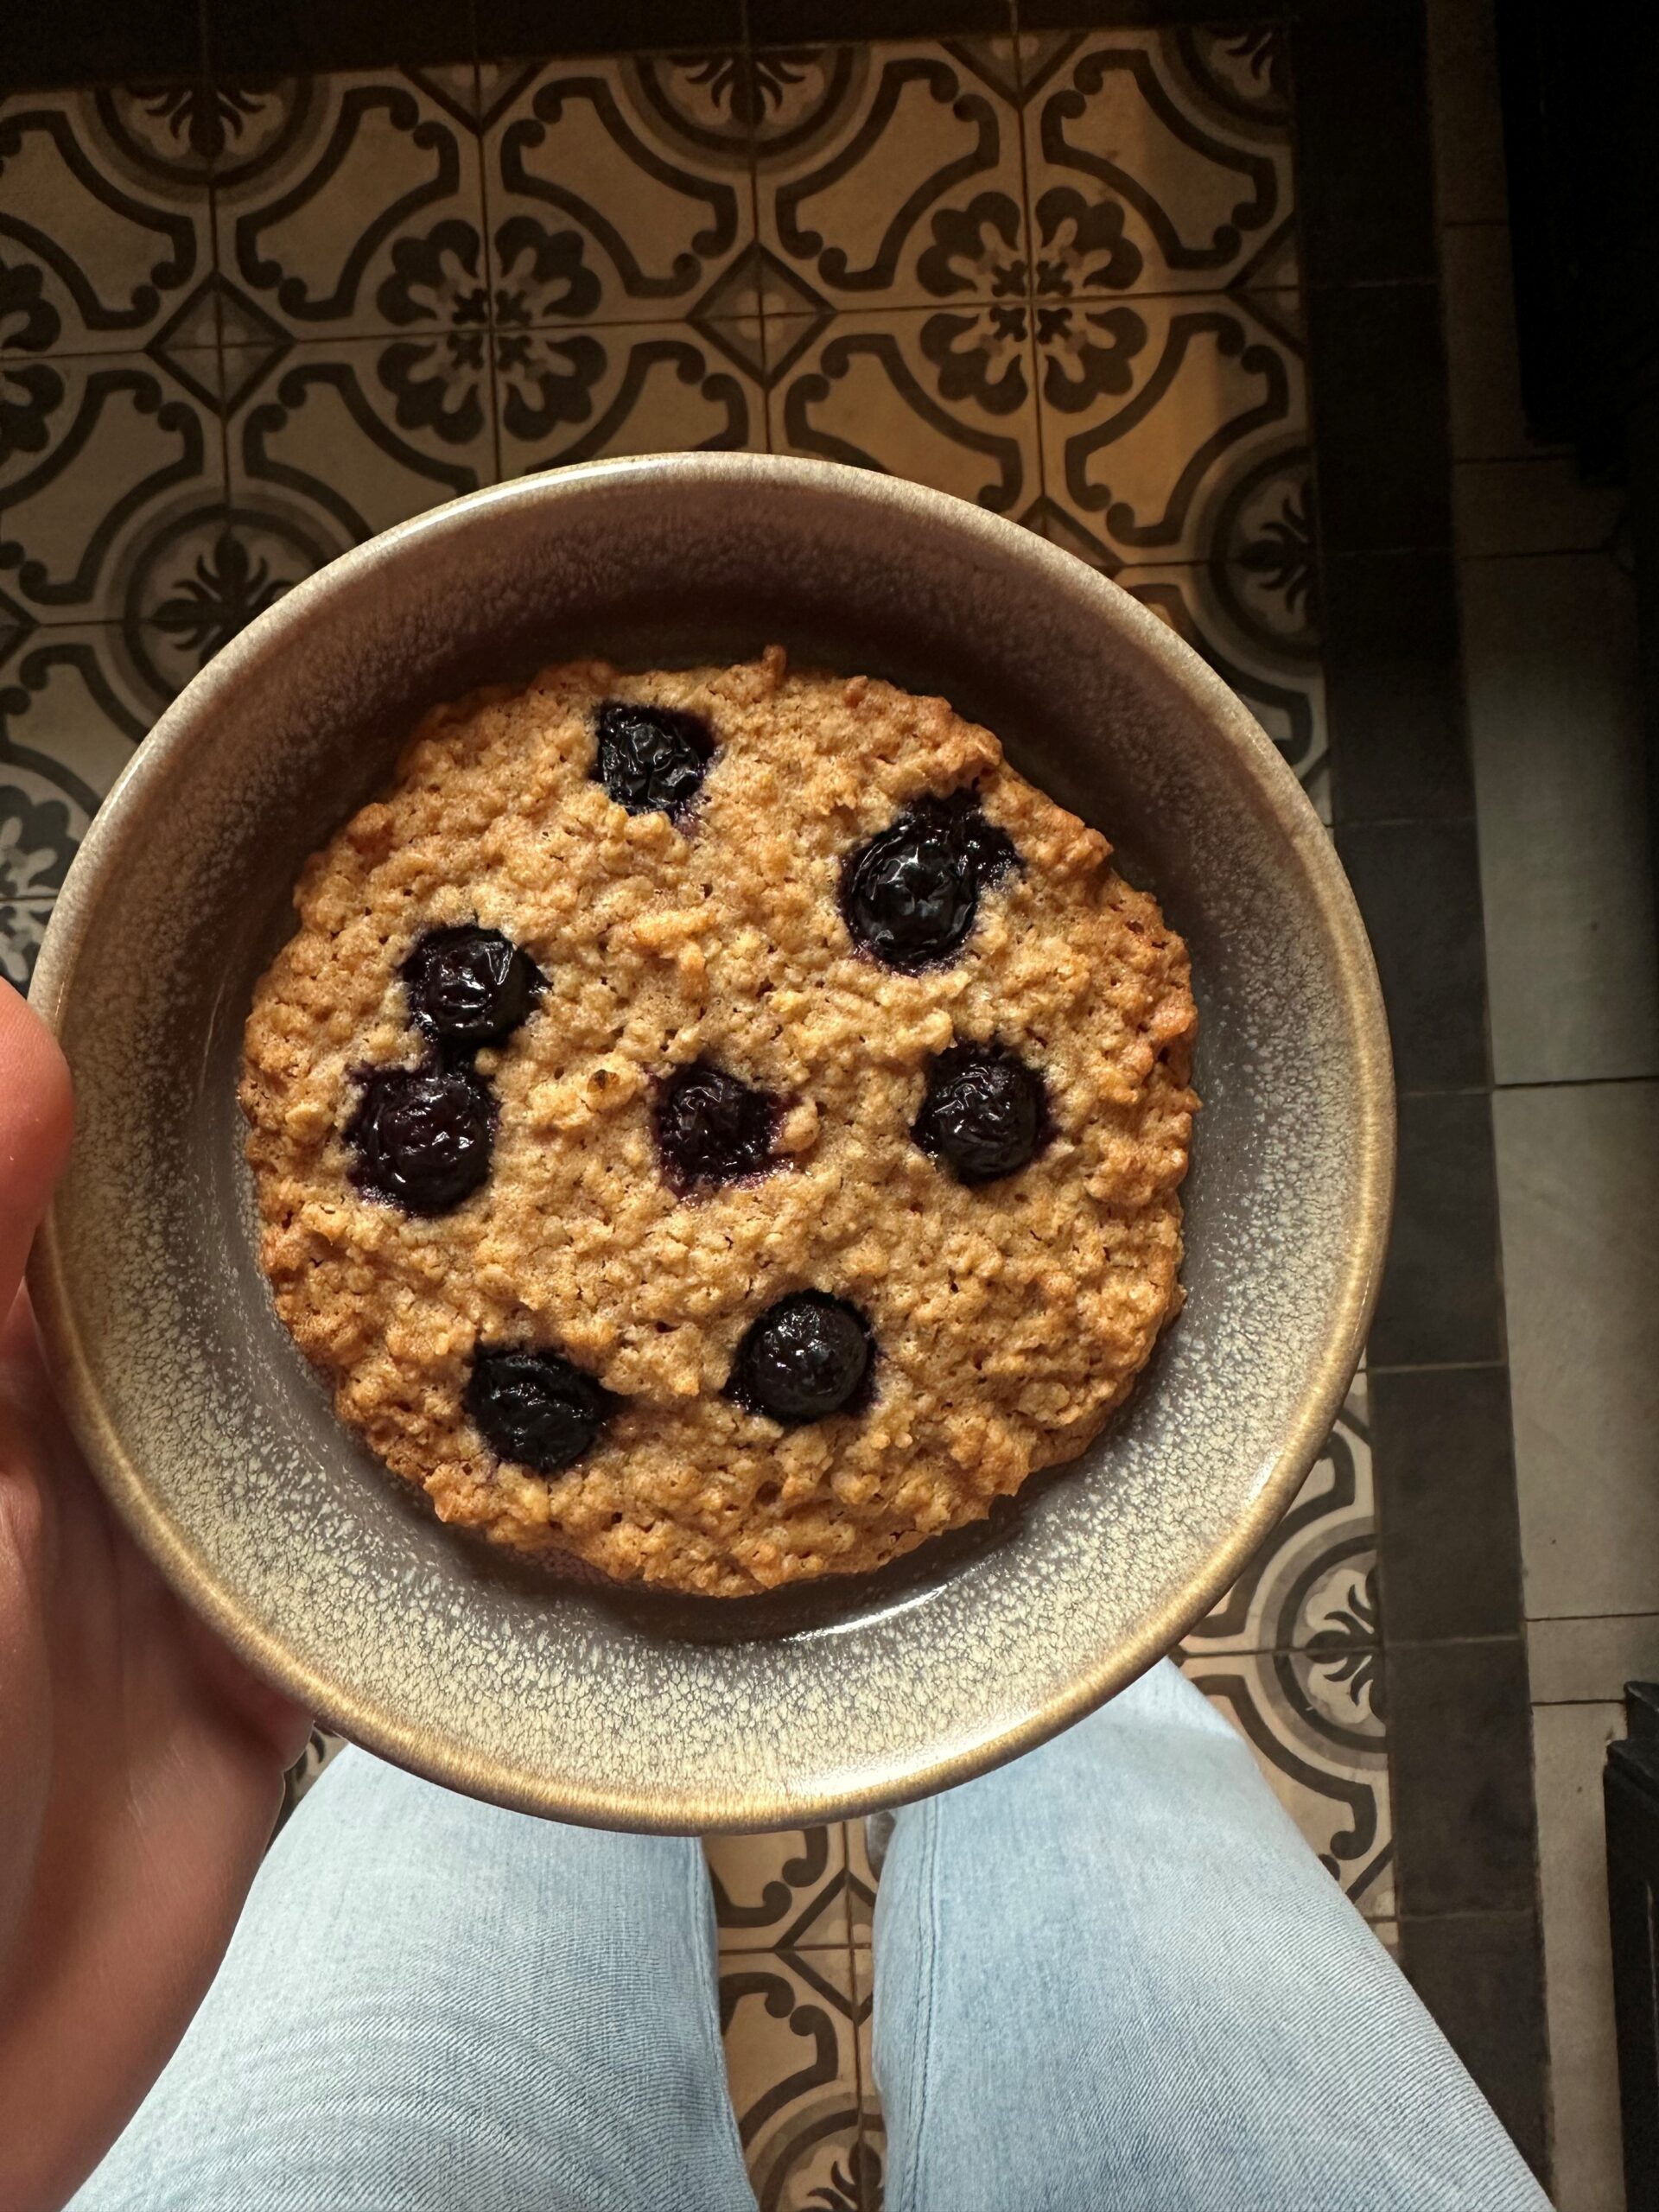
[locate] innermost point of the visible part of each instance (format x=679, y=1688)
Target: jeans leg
x=1112, y=1976
x=431, y=2004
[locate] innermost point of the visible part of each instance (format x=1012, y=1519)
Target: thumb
x=36, y=1119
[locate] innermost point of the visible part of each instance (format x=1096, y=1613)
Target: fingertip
x=37, y=1111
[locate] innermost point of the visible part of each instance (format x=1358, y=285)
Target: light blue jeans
x=1110, y=1975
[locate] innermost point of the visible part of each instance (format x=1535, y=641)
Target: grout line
x=1578, y=1082
x=1650, y=1613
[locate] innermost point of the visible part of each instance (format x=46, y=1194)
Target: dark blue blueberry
x=652, y=759
x=422, y=1136
x=470, y=986
x=910, y=894
x=536, y=1408
x=808, y=1356
x=712, y=1129
x=985, y=1112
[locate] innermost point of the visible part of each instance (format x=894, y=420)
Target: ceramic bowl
x=214, y=1440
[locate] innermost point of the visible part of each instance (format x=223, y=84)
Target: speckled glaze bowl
x=216, y=1443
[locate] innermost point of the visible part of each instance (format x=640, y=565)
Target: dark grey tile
x=297, y=37
x=1483, y=371
x=1448, y=1537
x=1394, y=695
x=1579, y=1185
x=1460, y=1734
x=1107, y=15
x=89, y=41
x=811, y=23
x=1377, y=377
x=1441, y=1303
x=1364, y=186
x=1481, y=1976
x=1418, y=884
x=1555, y=728
x=510, y=27
x=1470, y=183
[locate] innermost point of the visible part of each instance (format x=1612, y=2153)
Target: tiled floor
x=248, y=321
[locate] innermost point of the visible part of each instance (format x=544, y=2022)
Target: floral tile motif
x=354, y=201
x=341, y=439
x=566, y=395
x=1168, y=423
x=618, y=190
x=783, y=1891
x=1314, y=1720
x=1262, y=646
x=891, y=171
x=103, y=220
x=1159, y=160
x=789, y=2019
x=99, y=457
x=895, y=391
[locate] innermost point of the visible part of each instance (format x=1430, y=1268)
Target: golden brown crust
x=1010, y=1319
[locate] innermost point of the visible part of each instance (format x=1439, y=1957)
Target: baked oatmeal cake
x=721, y=1124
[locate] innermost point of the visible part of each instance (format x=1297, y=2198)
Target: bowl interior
x=217, y=1441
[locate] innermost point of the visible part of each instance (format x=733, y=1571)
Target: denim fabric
x=1110, y=1975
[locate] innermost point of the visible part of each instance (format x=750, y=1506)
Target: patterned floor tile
x=905, y=391
x=1159, y=160
x=104, y=227
x=892, y=172
x=784, y=1891
x=567, y=395
x=352, y=201
x=620, y=190
x=320, y=1747
x=790, y=2023
x=1260, y=641
x=346, y=437
x=873, y=2122
x=1314, y=1720
x=100, y=454
x=1168, y=423
x=1312, y=1587
x=860, y=1883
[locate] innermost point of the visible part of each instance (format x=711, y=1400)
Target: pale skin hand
x=140, y=1766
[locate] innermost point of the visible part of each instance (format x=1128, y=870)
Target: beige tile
x=1387, y=1933
x=565, y=395
x=890, y=173
x=943, y=397
x=357, y=433
x=1538, y=505
x=1312, y=1721
x=133, y=237
x=1556, y=731
x=782, y=1891
x=352, y=201
x=1470, y=183
x=1577, y=1175
x=1159, y=160
x=1483, y=375
x=1590, y=1658
x=861, y=1878
x=1570, y=1744
x=790, y=2027
x=874, y=2123
x=1173, y=427
x=618, y=188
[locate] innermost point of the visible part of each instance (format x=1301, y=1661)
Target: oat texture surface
x=1009, y=1317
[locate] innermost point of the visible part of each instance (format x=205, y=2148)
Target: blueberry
x=985, y=1112
x=422, y=1136
x=534, y=1407
x=652, y=759
x=808, y=1356
x=712, y=1129
x=910, y=895
x=470, y=986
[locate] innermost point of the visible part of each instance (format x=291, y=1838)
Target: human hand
x=140, y=1766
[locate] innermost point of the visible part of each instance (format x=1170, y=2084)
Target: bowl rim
x=427, y=1749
